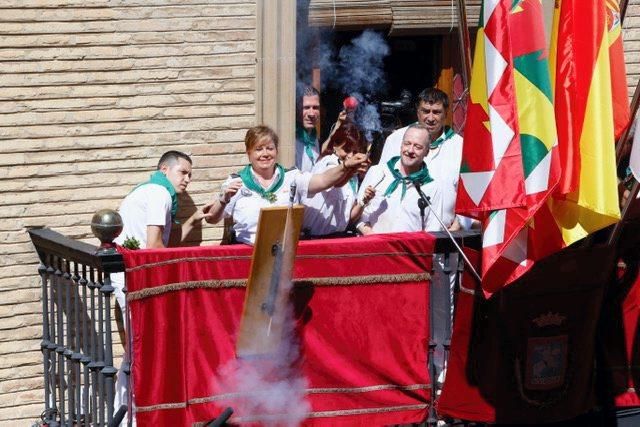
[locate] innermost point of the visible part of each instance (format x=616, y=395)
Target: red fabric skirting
x=620, y=338
x=361, y=306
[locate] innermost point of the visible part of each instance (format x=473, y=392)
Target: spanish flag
x=586, y=199
x=619, y=92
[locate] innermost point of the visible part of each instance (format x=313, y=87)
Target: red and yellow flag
x=586, y=199
x=538, y=163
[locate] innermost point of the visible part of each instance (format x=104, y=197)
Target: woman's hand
x=359, y=162
x=215, y=210
x=229, y=191
x=369, y=193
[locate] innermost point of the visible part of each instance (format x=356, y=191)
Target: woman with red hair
x=330, y=212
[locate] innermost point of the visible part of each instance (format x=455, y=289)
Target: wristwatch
x=221, y=199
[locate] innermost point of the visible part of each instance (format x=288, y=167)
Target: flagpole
x=465, y=44
x=623, y=9
x=617, y=229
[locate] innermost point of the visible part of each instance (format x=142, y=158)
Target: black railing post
x=100, y=351
x=106, y=225
x=46, y=341
x=76, y=325
x=85, y=346
x=68, y=342
x=108, y=371
x=51, y=353
x=93, y=347
x=76, y=356
x=60, y=339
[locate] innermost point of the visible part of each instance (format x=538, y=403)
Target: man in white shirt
x=148, y=213
x=307, y=147
x=149, y=210
x=445, y=148
x=395, y=205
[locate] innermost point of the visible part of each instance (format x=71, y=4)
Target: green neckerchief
x=422, y=176
x=353, y=182
x=448, y=133
x=309, y=140
x=161, y=179
x=270, y=193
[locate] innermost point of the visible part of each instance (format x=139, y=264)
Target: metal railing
x=76, y=329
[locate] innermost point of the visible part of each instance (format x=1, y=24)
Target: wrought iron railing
x=76, y=329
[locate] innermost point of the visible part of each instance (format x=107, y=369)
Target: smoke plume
x=268, y=389
x=358, y=70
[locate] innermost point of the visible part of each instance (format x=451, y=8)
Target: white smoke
x=360, y=67
x=268, y=389
x=357, y=69
x=368, y=118
x=359, y=72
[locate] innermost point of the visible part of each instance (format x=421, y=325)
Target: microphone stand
x=422, y=205
x=426, y=201
x=423, y=202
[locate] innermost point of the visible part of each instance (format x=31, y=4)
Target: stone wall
x=92, y=92
x=631, y=34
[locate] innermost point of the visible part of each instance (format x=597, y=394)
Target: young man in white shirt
x=149, y=210
x=148, y=213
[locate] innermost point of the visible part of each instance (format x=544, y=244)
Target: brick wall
x=91, y=94
x=631, y=34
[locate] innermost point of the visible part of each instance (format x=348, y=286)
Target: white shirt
x=303, y=162
x=443, y=163
x=244, y=207
x=328, y=211
x=393, y=213
x=149, y=204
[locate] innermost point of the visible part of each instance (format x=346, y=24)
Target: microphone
x=423, y=201
x=292, y=192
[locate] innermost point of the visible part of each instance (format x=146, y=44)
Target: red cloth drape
x=460, y=397
x=364, y=342
x=620, y=338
